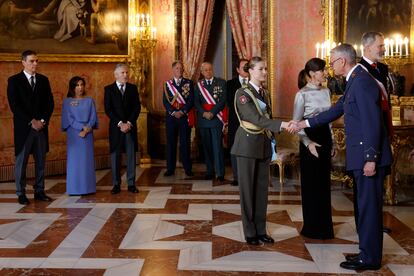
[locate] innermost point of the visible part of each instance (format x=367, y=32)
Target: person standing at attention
x=210, y=100
x=232, y=85
x=31, y=101
x=178, y=100
x=78, y=121
x=122, y=106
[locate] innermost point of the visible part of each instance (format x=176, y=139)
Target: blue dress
x=80, y=168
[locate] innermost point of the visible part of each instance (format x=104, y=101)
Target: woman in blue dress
x=78, y=120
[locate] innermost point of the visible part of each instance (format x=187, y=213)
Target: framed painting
x=65, y=30
x=347, y=20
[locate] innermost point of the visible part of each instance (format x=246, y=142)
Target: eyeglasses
x=332, y=62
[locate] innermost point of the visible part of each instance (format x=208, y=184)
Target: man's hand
x=290, y=127
x=82, y=134
x=178, y=114
x=124, y=127
x=86, y=129
x=37, y=125
x=369, y=169
x=312, y=148
x=208, y=115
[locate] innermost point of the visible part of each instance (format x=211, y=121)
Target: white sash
x=175, y=92
x=209, y=99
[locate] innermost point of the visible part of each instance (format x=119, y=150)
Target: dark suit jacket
x=27, y=105
x=232, y=86
x=381, y=74
x=366, y=138
x=253, y=145
x=220, y=86
x=123, y=109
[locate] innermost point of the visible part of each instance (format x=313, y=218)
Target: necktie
x=244, y=82
x=178, y=82
x=121, y=87
x=374, y=65
x=32, y=82
x=261, y=92
x=208, y=82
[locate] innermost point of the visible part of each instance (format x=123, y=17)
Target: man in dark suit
x=233, y=124
x=122, y=106
x=31, y=101
x=368, y=152
x=374, y=49
x=209, y=100
x=178, y=100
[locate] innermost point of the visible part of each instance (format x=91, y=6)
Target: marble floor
x=181, y=226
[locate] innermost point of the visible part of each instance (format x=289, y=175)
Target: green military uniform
x=211, y=130
x=252, y=147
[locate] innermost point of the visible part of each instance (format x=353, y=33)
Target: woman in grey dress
x=316, y=149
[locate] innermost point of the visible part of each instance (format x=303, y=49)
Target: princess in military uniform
x=252, y=147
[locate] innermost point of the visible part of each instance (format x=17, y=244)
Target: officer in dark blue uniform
x=178, y=101
x=209, y=100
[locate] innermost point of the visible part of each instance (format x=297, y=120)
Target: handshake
x=294, y=127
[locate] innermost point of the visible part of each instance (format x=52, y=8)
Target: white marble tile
x=390, y=246
x=194, y=212
x=68, y=252
x=128, y=269
x=228, y=208
x=140, y=231
x=194, y=255
x=232, y=231
x=401, y=270
x=202, y=186
x=21, y=262
x=167, y=229
x=210, y=197
x=340, y=202
x=59, y=263
x=281, y=232
x=346, y=231
x=404, y=214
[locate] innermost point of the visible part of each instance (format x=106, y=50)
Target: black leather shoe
x=220, y=178
x=208, y=177
x=352, y=257
x=133, y=189
x=234, y=183
x=253, y=241
x=386, y=230
x=168, y=173
x=265, y=239
x=23, y=200
x=358, y=265
x=116, y=189
x=189, y=173
x=42, y=196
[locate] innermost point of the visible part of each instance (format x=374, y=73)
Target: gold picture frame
x=342, y=17
x=100, y=35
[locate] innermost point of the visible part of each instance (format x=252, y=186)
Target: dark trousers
x=116, y=158
x=370, y=201
x=35, y=144
x=233, y=160
x=213, y=150
x=253, y=177
x=178, y=127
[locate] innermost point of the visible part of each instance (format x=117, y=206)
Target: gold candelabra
x=142, y=43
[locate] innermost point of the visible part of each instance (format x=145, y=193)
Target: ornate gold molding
x=271, y=51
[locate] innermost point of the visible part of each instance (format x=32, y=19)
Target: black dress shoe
x=352, y=257
x=220, y=178
x=133, y=189
x=265, y=239
x=386, y=230
x=358, y=265
x=208, y=177
x=116, y=189
x=23, y=200
x=253, y=241
x=189, y=173
x=168, y=173
x=234, y=183
x=42, y=196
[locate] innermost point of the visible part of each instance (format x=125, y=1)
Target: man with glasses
x=368, y=152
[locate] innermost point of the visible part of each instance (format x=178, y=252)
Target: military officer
x=252, y=148
x=178, y=101
x=209, y=100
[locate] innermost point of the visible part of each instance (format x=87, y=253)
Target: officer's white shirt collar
x=177, y=80
x=368, y=60
x=350, y=72
x=254, y=86
x=28, y=76
x=210, y=80
x=241, y=79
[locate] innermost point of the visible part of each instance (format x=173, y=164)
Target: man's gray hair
x=369, y=37
x=120, y=65
x=345, y=51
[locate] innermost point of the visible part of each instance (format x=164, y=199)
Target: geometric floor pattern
x=182, y=226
